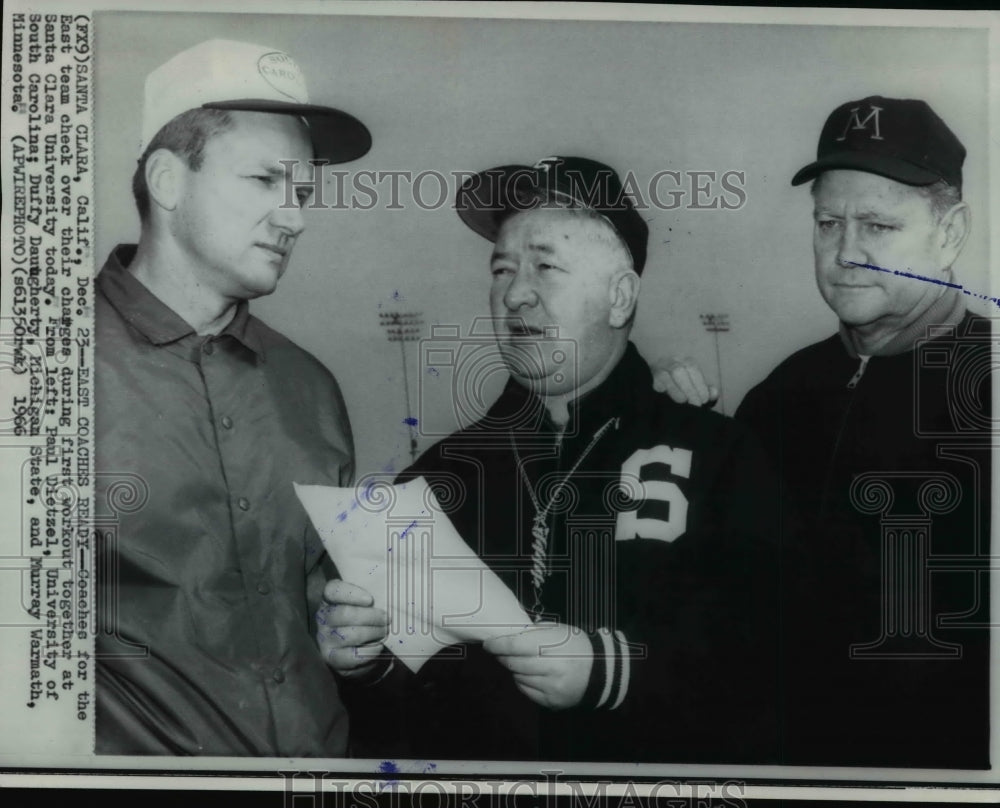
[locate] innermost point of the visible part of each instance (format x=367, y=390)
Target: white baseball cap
x=223, y=74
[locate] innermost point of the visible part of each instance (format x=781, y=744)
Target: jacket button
x=227, y=422
x=244, y=504
x=278, y=675
x=263, y=587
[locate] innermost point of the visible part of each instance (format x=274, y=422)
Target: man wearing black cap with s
x=881, y=437
x=635, y=529
x=209, y=571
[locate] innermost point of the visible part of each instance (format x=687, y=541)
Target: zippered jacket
x=885, y=468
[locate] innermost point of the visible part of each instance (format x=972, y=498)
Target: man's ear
x=954, y=229
x=624, y=294
x=165, y=178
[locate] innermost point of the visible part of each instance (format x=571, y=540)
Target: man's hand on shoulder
x=349, y=629
x=683, y=381
x=551, y=663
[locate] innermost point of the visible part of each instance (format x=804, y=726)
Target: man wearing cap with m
x=881, y=438
x=636, y=529
x=205, y=416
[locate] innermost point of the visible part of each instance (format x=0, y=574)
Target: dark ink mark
x=433, y=371
x=906, y=274
x=342, y=516
x=408, y=528
x=924, y=278
x=410, y=421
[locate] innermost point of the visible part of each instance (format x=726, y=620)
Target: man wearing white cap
x=211, y=573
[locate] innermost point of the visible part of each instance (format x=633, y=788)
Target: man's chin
x=542, y=385
x=521, y=360
x=263, y=284
x=855, y=313
x=254, y=293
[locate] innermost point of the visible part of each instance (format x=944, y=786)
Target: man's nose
x=288, y=218
x=520, y=291
x=849, y=252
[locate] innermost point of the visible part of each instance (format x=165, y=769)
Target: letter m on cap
x=854, y=122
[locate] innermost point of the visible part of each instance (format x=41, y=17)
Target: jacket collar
x=151, y=317
x=617, y=395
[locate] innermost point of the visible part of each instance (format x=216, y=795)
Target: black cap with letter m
x=902, y=139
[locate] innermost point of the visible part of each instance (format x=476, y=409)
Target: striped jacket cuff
x=610, y=673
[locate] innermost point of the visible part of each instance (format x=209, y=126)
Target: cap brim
x=337, y=136
x=487, y=198
x=891, y=167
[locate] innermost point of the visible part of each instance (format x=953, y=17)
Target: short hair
x=186, y=136
x=941, y=195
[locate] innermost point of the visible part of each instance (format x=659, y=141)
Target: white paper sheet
x=397, y=542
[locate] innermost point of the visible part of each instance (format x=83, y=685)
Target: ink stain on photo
x=924, y=278
x=388, y=767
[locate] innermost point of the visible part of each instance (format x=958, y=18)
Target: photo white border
x=879, y=784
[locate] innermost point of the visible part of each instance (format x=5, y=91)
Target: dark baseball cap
x=899, y=138
x=486, y=199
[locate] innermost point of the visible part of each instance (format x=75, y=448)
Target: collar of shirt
x=621, y=393
x=156, y=321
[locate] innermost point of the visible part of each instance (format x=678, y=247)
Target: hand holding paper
x=551, y=663
x=350, y=628
x=397, y=543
